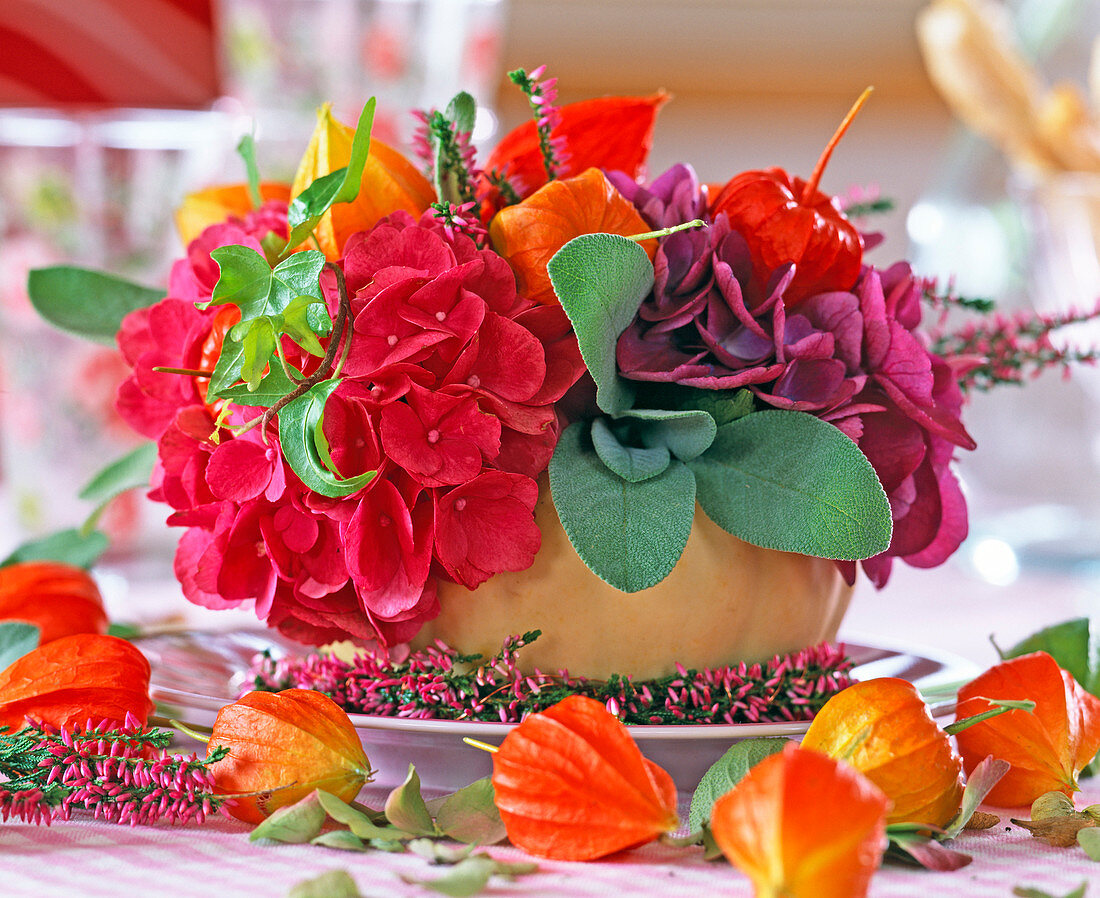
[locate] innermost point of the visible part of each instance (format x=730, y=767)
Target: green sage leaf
x=16, y=639
x=131, y=471
x=340, y=186
x=69, y=546
x=789, y=481
x=470, y=815
x=721, y=405
x=601, y=280
x=406, y=810
x=629, y=534
x=629, y=462
x=686, y=433
x=466, y=878
x=333, y=884
x=298, y=421
x=727, y=772
x=296, y=823
x=87, y=303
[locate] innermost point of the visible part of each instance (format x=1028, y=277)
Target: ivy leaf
x=629, y=534
x=789, y=481
x=686, y=433
x=406, y=810
x=629, y=462
x=340, y=186
x=69, y=546
x=273, y=387
x=333, y=884
x=246, y=149
x=298, y=423
x=468, y=877
x=87, y=303
x=16, y=639
x=129, y=472
x=303, y=320
x=469, y=815
x=1072, y=644
x=601, y=280
x=727, y=772
x=340, y=839
x=296, y=823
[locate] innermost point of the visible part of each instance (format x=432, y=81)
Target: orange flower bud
x=284, y=745
x=203, y=208
x=74, y=679
x=882, y=727
x=390, y=182
x=529, y=233
x=57, y=598
x=802, y=825
x=571, y=784
x=1048, y=747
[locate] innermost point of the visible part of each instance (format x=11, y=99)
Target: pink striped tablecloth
x=87, y=859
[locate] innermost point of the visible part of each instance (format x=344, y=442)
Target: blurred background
x=111, y=110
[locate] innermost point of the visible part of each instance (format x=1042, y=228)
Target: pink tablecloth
x=86, y=859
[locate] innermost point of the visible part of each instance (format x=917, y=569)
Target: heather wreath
x=361, y=393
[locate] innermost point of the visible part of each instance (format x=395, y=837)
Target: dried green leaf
x=1052, y=804
x=1089, y=838
x=980, y=820
x=334, y=884
x=340, y=839
x=439, y=852
x=406, y=810
x=1028, y=892
x=469, y=815
x=1060, y=832
x=361, y=822
x=296, y=823
x=468, y=877
x=978, y=785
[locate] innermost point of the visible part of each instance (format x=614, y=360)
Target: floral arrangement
x=355, y=383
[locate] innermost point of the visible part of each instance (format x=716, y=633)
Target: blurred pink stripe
x=118, y=52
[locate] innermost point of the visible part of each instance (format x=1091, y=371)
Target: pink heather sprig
x=859, y=202
x=437, y=682
x=122, y=775
x=1007, y=349
x=541, y=95
x=448, y=156
x=461, y=219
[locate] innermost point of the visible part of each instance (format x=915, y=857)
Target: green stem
x=1002, y=707
x=186, y=372
x=664, y=232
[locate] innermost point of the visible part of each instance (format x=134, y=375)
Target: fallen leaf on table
x=340, y=839
x=1089, y=839
x=405, y=807
x=334, y=884
x=1026, y=892
x=1059, y=832
x=470, y=815
x=471, y=875
x=296, y=823
x=982, y=820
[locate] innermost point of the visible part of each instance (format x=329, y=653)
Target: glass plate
x=196, y=672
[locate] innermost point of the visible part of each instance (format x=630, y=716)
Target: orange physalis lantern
x=802, y=825
x=203, y=208
x=883, y=728
x=570, y=784
x=59, y=599
x=284, y=745
x=390, y=182
x=1048, y=747
x=529, y=233
x=74, y=679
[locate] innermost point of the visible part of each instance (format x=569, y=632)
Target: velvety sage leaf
x=468, y=877
x=1089, y=839
x=298, y=421
x=723, y=406
x=273, y=387
x=978, y=785
x=340, y=839
x=600, y=280
x=131, y=471
x=629, y=534
x=16, y=639
x=439, y=852
x=69, y=546
x=789, y=481
x=631, y=463
x=87, y=303
x=686, y=433
x=406, y=810
x=727, y=772
x=296, y=823
x=470, y=815
x=246, y=149
x=333, y=884
x=340, y=186
x=1072, y=644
